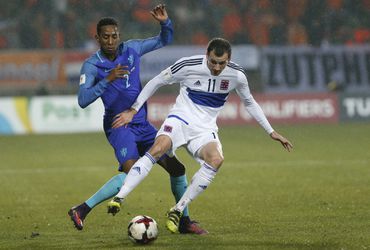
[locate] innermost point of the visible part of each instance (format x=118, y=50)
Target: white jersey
x=203, y=95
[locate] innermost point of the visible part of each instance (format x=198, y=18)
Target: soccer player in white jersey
x=205, y=82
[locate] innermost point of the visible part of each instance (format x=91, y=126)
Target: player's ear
x=97, y=38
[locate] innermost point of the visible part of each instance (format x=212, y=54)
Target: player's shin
x=108, y=190
x=200, y=181
x=136, y=174
x=178, y=187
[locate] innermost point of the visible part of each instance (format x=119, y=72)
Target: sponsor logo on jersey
x=197, y=83
x=167, y=129
x=224, y=84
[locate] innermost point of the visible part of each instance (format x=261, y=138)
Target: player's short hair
x=105, y=21
x=219, y=46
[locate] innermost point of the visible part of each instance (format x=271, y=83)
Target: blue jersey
x=120, y=94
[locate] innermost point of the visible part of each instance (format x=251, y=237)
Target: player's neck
x=110, y=56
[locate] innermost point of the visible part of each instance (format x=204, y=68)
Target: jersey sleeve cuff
x=166, y=23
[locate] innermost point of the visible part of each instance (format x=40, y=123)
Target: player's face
x=108, y=40
x=216, y=64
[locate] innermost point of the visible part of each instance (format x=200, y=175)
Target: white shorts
x=182, y=134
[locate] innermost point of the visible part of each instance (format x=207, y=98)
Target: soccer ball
x=142, y=229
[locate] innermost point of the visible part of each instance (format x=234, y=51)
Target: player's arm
x=89, y=89
x=255, y=110
x=165, y=37
x=125, y=117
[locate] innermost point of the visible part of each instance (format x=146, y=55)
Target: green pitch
x=316, y=197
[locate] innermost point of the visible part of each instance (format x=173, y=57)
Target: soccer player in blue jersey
x=205, y=83
x=113, y=74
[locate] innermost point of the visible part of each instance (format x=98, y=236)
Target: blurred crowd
x=71, y=24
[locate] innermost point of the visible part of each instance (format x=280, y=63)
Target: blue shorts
x=130, y=143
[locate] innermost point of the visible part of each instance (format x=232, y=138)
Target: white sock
x=136, y=174
x=198, y=184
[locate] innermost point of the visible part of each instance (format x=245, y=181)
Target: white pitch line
x=299, y=163
x=14, y=170
x=54, y=170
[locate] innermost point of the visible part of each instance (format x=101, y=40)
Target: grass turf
x=316, y=197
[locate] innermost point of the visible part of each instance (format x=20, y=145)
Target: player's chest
x=213, y=84
x=131, y=65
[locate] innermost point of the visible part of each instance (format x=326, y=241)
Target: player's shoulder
x=90, y=64
x=129, y=44
x=237, y=69
x=94, y=58
x=190, y=61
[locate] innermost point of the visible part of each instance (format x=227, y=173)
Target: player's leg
x=172, y=165
x=108, y=190
x=123, y=142
x=168, y=137
x=142, y=167
x=178, y=179
x=179, y=184
x=211, y=159
x=176, y=170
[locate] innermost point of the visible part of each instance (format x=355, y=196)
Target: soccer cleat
x=188, y=226
x=77, y=217
x=173, y=220
x=114, y=206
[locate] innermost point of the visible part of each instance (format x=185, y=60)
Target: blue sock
x=108, y=190
x=178, y=187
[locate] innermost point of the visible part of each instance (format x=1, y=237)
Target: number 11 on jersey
x=211, y=84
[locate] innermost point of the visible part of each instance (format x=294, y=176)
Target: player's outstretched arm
x=286, y=144
x=160, y=13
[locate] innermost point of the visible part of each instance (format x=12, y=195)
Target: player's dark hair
x=219, y=46
x=105, y=21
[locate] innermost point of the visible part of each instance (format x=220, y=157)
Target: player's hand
x=123, y=118
x=118, y=72
x=159, y=13
x=286, y=144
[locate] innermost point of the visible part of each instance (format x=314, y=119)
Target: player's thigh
x=176, y=131
x=124, y=144
x=207, y=147
x=145, y=136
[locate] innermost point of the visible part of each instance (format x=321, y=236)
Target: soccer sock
x=136, y=174
x=108, y=190
x=178, y=187
x=198, y=184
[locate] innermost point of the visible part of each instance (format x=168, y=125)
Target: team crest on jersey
x=224, y=84
x=167, y=129
x=123, y=152
x=130, y=60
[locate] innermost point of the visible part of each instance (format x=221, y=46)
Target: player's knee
x=157, y=151
x=215, y=161
x=160, y=147
x=126, y=166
